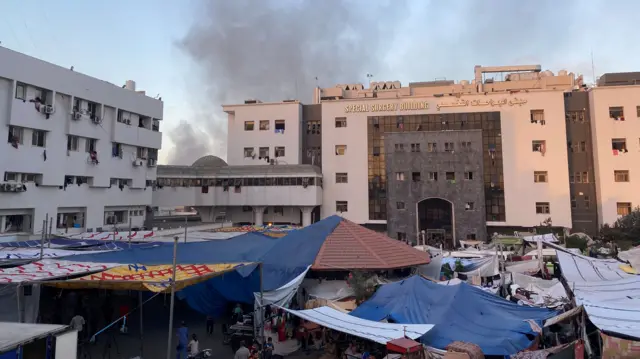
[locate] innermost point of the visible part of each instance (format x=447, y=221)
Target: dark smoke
x=273, y=50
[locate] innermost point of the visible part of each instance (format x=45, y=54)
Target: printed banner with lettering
x=153, y=278
x=47, y=269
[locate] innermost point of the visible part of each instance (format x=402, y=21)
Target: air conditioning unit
x=20, y=187
x=5, y=187
x=48, y=109
x=151, y=162
x=77, y=116
x=97, y=120
x=137, y=162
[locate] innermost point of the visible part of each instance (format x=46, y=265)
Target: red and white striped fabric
x=109, y=236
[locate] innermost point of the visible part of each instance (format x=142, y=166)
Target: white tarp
x=632, y=256
x=433, y=269
x=485, y=267
x=282, y=296
x=327, y=289
x=530, y=266
x=609, y=295
x=548, y=238
x=457, y=281
x=121, y=235
x=375, y=331
x=50, y=269
x=12, y=254
x=29, y=303
x=67, y=345
x=14, y=334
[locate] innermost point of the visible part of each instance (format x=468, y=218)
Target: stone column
x=258, y=214
x=306, y=215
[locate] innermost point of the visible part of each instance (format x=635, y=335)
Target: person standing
x=210, y=325
x=77, y=323
x=242, y=352
x=183, y=338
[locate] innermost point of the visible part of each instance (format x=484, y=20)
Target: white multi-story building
x=78, y=150
x=615, y=118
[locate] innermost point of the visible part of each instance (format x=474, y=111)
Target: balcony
x=136, y=136
x=25, y=114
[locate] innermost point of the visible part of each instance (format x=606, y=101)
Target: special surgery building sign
x=387, y=107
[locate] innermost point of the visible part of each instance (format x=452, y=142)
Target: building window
x=399, y=176
x=465, y=145
x=432, y=147
x=624, y=208
x=142, y=153
x=449, y=147
x=38, y=138
x=537, y=116
x=585, y=177
x=263, y=152
x=21, y=91
x=587, y=202
x=90, y=145
x=538, y=146
x=248, y=125
x=248, y=152
x=400, y=205
x=470, y=206
x=578, y=177
x=116, y=150
x=15, y=135
x=583, y=146
x=433, y=176
x=341, y=150
x=376, y=151
x=619, y=145
x=342, y=206
x=72, y=143
x=450, y=176
x=540, y=177
x=401, y=236
x=637, y=111
x=313, y=127
x=616, y=113
x=342, y=177
x=468, y=175
x=115, y=217
x=264, y=125
x=571, y=178
x=399, y=147
x=247, y=209
x=341, y=122
x=279, y=151
x=124, y=117
x=471, y=236
x=574, y=203
x=280, y=126
x=543, y=208
x=415, y=176
x=415, y=147
x=621, y=176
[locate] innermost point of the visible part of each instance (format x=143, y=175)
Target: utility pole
x=129, y=232
x=173, y=295
x=44, y=233
x=185, y=229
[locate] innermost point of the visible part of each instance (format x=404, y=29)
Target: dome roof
x=209, y=161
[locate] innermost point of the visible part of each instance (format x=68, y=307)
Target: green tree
x=625, y=232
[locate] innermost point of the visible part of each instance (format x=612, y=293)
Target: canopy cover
x=459, y=313
x=152, y=278
x=371, y=330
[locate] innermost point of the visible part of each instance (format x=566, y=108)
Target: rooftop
x=243, y=171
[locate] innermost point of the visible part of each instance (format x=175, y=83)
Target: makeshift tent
x=31, y=254
x=151, y=278
x=607, y=292
x=459, y=313
x=94, y=244
x=13, y=335
x=371, y=330
x=50, y=269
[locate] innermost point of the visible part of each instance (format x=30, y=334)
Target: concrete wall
x=240, y=139
x=604, y=129
x=458, y=192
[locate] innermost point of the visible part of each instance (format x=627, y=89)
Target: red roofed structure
x=351, y=246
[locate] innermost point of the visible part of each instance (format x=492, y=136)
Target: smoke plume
x=274, y=49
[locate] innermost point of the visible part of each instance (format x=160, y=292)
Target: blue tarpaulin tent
x=459, y=313
x=283, y=259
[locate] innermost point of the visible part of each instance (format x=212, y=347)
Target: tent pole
x=49, y=233
x=141, y=325
x=129, y=232
x=44, y=233
x=19, y=292
x=173, y=295
x=261, y=308
x=185, y=229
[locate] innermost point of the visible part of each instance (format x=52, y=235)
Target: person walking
x=210, y=325
x=183, y=338
x=242, y=352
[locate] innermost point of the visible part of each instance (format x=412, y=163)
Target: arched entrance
x=436, y=219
